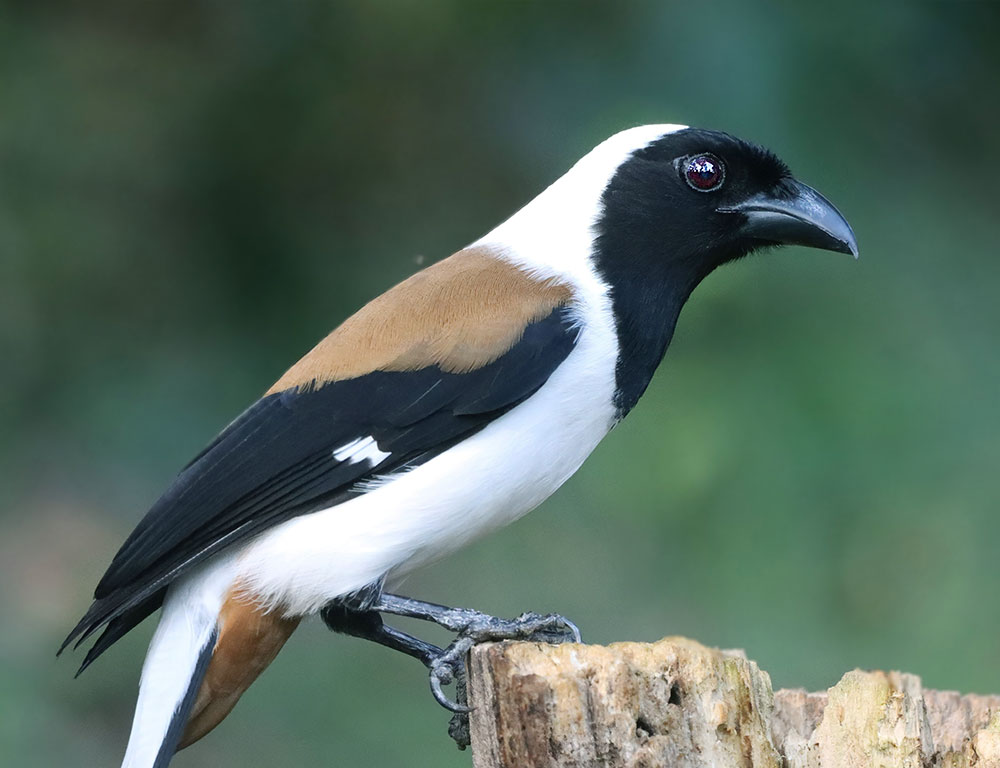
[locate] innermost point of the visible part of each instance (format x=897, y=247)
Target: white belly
x=479, y=485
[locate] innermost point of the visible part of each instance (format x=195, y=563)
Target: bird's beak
x=796, y=215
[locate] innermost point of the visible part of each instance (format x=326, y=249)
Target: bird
x=442, y=410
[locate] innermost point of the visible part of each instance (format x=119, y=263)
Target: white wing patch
x=362, y=449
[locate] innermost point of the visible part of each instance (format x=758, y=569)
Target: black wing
x=277, y=461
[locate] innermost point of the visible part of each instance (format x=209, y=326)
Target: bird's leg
x=368, y=625
x=472, y=627
x=358, y=615
x=354, y=615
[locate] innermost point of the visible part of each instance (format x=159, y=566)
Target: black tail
x=119, y=622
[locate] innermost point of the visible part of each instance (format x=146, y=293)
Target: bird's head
x=661, y=206
x=649, y=213
x=692, y=199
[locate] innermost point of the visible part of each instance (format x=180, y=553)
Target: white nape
x=553, y=235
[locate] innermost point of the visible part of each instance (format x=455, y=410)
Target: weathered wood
x=678, y=704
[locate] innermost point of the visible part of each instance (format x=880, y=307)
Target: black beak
x=796, y=214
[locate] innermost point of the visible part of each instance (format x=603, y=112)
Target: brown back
x=460, y=314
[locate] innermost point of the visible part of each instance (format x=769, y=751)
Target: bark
x=677, y=703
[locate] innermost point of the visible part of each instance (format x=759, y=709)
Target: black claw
x=442, y=698
x=577, y=637
x=449, y=667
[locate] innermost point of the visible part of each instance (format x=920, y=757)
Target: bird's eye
x=704, y=173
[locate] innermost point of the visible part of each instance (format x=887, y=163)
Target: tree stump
x=678, y=704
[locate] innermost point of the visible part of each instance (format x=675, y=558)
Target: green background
x=191, y=194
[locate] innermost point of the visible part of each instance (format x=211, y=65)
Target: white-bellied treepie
x=447, y=407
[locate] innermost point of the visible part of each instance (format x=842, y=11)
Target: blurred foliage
x=192, y=193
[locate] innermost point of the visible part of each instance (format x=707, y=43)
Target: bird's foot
x=450, y=666
x=359, y=615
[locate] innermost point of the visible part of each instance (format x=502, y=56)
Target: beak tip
x=851, y=244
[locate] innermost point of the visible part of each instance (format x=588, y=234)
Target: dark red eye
x=704, y=173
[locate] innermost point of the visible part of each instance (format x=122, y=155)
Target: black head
x=680, y=207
